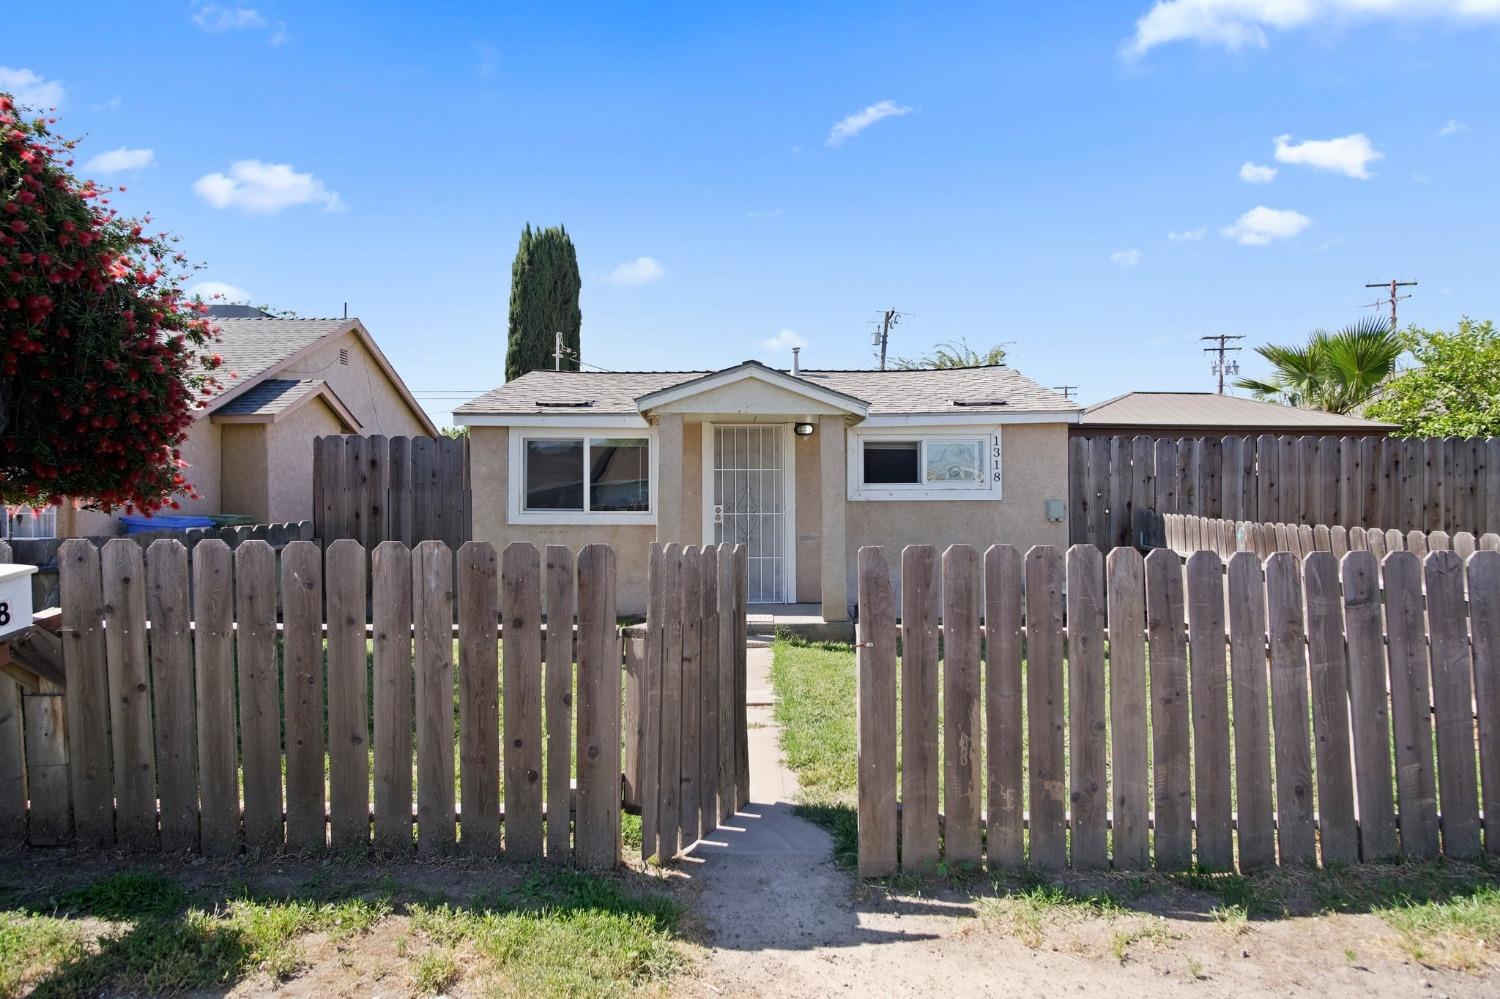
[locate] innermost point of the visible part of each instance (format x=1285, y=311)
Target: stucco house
x=803, y=467
x=250, y=449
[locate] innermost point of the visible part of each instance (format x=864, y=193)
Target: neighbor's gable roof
x=993, y=389
x=256, y=349
x=275, y=398
x=1207, y=409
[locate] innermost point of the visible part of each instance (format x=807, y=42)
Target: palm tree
x=952, y=354
x=1334, y=372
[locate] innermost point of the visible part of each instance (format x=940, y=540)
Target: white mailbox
x=15, y=598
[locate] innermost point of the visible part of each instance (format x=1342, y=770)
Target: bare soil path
x=781, y=918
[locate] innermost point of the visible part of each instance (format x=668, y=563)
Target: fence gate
x=687, y=764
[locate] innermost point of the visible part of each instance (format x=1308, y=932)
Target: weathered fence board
x=521, y=608
x=1171, y=749
x=1406, y=630
x=875, y=663
x=1369, y=706
x=962, y=745
x=391, y=605
x=1127, y=703
x=432, y=623
x=598, y=838
x=558, y=694
x=1004, y=708
x=479, y=700
x=1046, y=719
x=1484, y=617
x=1251, y=694
x=348, y=697
x=1210, y=710
x=919, y=709
x=1087, y=745
x=1453, y=703
x=304, y=694
x=260, y=695
x=1329, y=681
x=170, y=613
x=213, y=673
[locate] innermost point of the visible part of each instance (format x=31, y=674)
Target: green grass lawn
x=359, y=926
x=1446, y=912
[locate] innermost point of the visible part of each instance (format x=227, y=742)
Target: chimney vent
x=796, y=361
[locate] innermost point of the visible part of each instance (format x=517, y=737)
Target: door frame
x=789, y=500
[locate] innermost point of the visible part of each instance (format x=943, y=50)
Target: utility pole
x=1066, y=390
x=883, y=334
x=1223, y=366
x=1393, y=284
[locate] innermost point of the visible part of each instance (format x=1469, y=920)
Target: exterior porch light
x=803, y=429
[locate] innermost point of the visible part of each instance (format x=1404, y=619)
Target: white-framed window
x=916, y=463
x=564, y=476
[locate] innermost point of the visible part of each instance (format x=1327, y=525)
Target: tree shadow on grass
x=159, y=928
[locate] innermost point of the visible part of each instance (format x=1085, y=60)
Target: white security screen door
x=751, y=498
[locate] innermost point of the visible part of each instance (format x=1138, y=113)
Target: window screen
x=554, y=474
x=619, y=474
x=890, y=462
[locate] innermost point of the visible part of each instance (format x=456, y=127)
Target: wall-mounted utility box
x=1056, y=511
x=15, y=598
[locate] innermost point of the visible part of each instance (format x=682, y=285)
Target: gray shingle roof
x=927, y=391
x=1207, y=409
x=250, y=346
x=272, y=396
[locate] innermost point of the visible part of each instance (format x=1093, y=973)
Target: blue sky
x=1064, y=176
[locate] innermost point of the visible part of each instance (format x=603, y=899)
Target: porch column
x=669, y=513
x=835, y=569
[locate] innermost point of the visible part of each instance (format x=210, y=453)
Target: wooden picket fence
x=1185, y=534
x=1148, y=728
x=691, y=767
x=1419, y=484
x=167, y=712
x=407, y=489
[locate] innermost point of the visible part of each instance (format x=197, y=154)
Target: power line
x=1393, y=284
x=1223, y=366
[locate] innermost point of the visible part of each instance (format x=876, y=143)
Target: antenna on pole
x=1066, y=390
x=1223, y=366
x=883, y=325
x=1393, y=284
x=557, y=351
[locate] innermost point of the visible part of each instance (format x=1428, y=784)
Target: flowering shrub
x=103, y=361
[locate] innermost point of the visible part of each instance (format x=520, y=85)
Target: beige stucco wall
x=289, y=456
x=1034, y=469
x=244, y=487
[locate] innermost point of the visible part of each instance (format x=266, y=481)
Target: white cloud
x=1125, y=258
x=856, y=123
x=1254, y=173
x=784, y=340
x=1453, y=127
x=641, y=270
x=218, y=291
x=1188, y=235
x=1350, y=155
x=1239, y=24
x=120, y=160
x=265, y=188
x=30, y=90
x=1261, y=226
x=217, y=19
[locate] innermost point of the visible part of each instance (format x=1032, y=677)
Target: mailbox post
x=15, y=599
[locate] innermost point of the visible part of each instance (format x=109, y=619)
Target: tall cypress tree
x=544, y=285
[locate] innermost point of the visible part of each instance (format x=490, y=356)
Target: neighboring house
x=250, y=450
x=1206, y=414
x=804, y=467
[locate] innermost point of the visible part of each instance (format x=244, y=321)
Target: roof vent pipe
x=796, y=361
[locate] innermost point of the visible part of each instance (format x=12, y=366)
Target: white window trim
x=988, y=488
x=516, y=477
